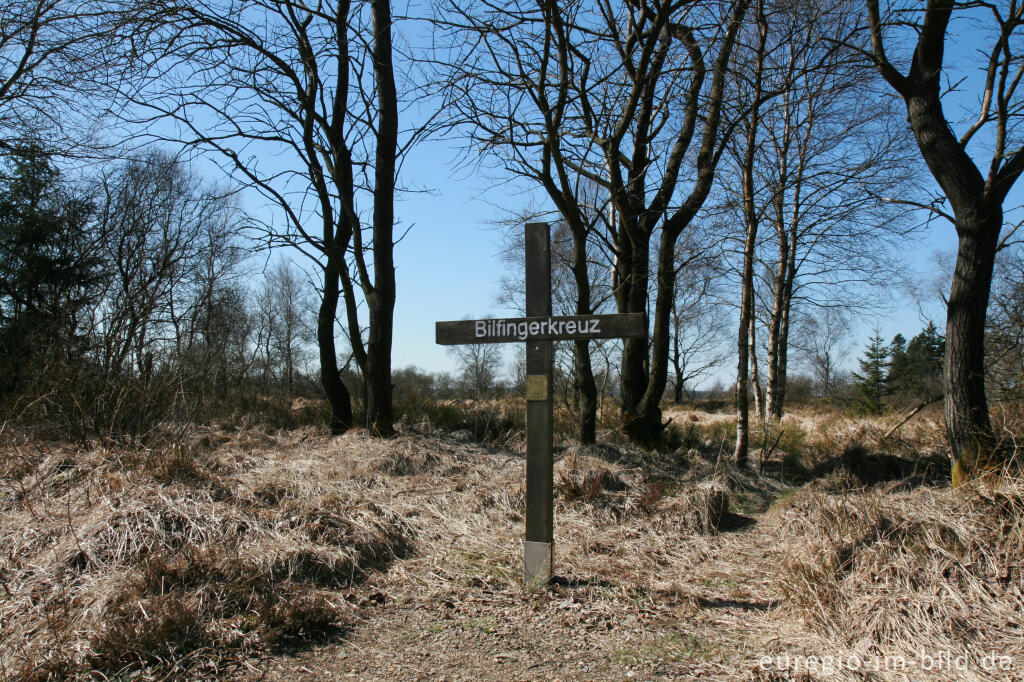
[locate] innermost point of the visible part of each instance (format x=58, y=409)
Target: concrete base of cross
x=537, y=562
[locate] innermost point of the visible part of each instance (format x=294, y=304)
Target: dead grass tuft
x=587, y=481
x=179, y=559
x=698, y=504
x=904, y=572
x=699, y=508
x=411, y=462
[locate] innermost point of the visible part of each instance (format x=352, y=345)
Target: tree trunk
x=334, y=388
x=743, y=340
x=381, y=299
x=379, y=410
x=755, y=378
x=776, y=379
x=355, y=334
x=586, y=392
x=642, y=391
x=782, y=359
x=740, y=454
x=586, y=387
x=677, y=389
x=289, y=363
x=978, y=223
x=782, y=351
x=971, y=439
x=649, y=424
x=631, y=297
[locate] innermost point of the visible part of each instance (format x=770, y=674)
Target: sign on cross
x=539, y=329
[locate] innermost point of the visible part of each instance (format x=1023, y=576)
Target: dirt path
x=704, y=617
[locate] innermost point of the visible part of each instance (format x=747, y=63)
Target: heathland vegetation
x=209, y=466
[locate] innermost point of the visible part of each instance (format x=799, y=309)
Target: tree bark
x=380, y=298
x=969, y=428
x=586, y=386
x=647, y=427
x=631, y=297
x=586, y=392
x=775, y=380
x=334, y=388
x=677, y=388
x=740, y=453
x=755, y=378
x=782, y=294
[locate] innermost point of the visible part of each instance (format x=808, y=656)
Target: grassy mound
x=190, y=557
x=900, y=573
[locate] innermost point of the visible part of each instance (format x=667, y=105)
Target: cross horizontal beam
x=570, y=327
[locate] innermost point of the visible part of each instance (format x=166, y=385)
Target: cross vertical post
x=539, y=330
x=537, y=543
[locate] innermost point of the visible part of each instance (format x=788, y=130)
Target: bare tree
x=698, y=328
x=313, y=88
x=289, y=301
x=483, y=87
x=975, y=182
x=825, y=152
x=821, y=340
x=628, y=97
x=168, y=242
x=145, y=274
x=58, y=62
x=478, y=367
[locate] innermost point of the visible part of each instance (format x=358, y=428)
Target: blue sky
x=449, y=265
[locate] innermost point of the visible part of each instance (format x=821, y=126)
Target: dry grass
x=177, y=558
x=896, y=574
x=223, y=546
x=694, y=504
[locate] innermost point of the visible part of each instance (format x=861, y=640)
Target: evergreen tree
x=47, y=272
x=871, y=380
x=924, y=363
x=897, y=377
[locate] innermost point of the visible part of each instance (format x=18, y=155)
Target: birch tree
x=627, y=96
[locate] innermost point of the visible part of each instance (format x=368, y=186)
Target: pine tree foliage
x=871, y=381
x=48, y=265
x=922, y=374
x=898, y=375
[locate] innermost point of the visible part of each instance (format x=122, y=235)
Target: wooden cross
x=538, y=330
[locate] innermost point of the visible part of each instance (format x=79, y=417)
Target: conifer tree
x=896, y=379
x=47, y=267
x=924, y=363
x=871, y=382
